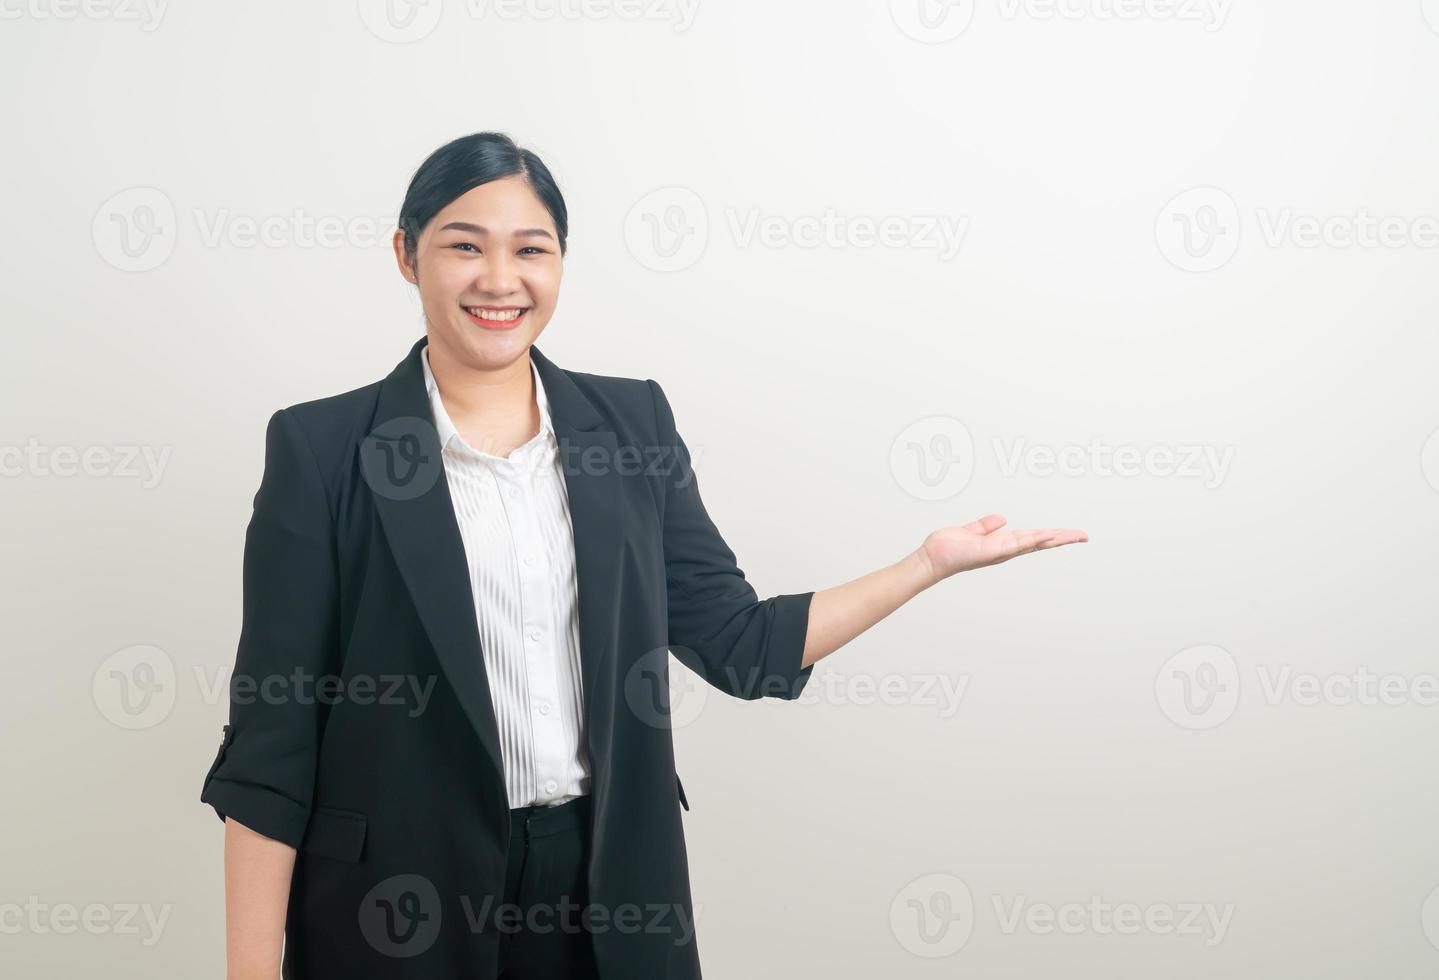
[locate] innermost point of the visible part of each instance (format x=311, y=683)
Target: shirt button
x=551, y=786
x=534, y=634
x=514, y=492
x=530, y=560
x=544, y=709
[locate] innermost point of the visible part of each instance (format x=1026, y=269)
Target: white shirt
x=514, y=517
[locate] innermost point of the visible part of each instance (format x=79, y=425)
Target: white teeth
x=500, y=315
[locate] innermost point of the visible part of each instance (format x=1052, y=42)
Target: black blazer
x=357, y=601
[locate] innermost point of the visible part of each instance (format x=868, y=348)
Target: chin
x=493, y=348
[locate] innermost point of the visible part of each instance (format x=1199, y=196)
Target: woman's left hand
x=980, y=543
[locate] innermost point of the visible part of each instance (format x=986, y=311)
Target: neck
x=499, y=395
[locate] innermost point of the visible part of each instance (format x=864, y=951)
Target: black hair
x=464, y=164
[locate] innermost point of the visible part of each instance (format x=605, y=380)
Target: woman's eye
x=528, y=248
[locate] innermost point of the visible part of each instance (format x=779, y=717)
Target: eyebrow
x=482, y=230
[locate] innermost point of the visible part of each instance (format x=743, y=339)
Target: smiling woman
x=526, y=544
x=482, y=235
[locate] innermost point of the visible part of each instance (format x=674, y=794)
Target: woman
x=448, y=753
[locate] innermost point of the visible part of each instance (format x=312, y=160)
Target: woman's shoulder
x=333, y=426
x=333, y=415
x=626, y=403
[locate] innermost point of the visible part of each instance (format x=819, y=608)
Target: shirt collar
x=446, y=428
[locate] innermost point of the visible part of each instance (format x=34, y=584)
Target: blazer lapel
x=401, y=462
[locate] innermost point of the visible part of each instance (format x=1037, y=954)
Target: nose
x=497, y=275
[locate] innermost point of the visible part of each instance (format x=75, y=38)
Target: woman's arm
x=257, y=894
x=838, y=615
x=750, y=647
x=263, y=777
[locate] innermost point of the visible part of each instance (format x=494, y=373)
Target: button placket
x=540, y=669
x=508, y=502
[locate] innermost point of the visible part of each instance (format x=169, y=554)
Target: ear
x=402, y=259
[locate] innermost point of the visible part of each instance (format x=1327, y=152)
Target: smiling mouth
x=493, y=317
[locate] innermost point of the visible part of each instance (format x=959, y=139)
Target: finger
x=1064, y=536
x=1034, y=539
x=1023, y=542
x=986, y=524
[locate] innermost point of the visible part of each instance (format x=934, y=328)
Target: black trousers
x=543, y=933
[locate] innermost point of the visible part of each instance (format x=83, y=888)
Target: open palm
x=980, y=543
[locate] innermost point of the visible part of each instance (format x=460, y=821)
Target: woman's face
x=487, y=255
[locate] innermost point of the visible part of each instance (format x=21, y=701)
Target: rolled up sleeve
x=718, y=626
x=264, y=772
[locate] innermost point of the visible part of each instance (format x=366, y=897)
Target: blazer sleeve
x=718, y=627
x=263, y=775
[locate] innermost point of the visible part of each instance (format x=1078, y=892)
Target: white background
x=820, y=385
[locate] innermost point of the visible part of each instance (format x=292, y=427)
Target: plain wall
x=1171, y=717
